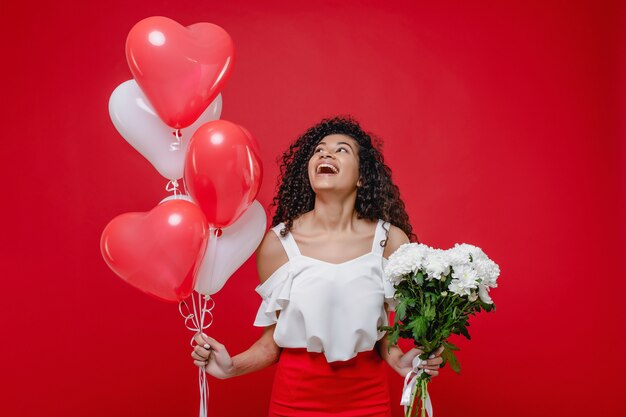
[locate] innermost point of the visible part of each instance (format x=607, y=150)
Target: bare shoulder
x=270, y=256
x=395, y=239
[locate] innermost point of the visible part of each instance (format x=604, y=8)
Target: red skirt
x=305, y=385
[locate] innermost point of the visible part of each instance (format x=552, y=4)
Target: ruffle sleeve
x=275, y=293
x=388, y=289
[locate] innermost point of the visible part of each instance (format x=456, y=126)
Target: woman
x=324, y=296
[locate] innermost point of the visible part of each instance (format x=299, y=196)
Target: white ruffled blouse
x=325, y=307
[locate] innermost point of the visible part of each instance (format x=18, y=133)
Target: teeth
x=332, y=167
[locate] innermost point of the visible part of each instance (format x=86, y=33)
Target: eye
x=342, y=149
x=317, y=150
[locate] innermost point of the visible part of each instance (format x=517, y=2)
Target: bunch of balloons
x=170, y=114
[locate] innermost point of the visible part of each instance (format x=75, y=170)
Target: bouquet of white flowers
x=436, y=292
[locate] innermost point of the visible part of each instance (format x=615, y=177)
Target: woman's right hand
x=212, y=356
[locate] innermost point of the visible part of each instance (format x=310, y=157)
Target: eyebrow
x=338, y=143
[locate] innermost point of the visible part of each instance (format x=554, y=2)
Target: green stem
x=423, y=384
x=413, y=398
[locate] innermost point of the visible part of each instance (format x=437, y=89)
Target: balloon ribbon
x=198, y=319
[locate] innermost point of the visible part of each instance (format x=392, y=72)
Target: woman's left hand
x=430, y=365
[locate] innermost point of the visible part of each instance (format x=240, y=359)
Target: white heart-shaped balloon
x=137, y=122
x=226, y=253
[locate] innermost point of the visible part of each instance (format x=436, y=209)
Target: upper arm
x=270, y=256
x=395, y=239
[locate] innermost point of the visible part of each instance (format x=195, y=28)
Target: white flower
x=466, y=275
x=488, y=271
x=455, y=288
x=436, y=264
x=464, y=279
x=407, y=259
x=457, y=255
x=473, y=273
x=480, y=273
x=474, y=251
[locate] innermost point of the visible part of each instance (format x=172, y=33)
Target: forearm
x=390, y=354
x=263, y=353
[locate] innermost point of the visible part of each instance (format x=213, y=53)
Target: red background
x=503, y=123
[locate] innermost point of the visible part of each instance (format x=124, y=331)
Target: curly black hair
x=377, y=197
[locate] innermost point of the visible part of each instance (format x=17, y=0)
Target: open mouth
x=326, y=169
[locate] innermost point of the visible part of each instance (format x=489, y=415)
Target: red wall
x=501, y=121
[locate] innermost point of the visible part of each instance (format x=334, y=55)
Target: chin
x=330, y=187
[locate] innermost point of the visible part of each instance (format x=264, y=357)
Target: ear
x=359, y=183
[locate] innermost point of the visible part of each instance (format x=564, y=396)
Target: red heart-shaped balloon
x=223, y=171
x=180, y=70
x=157, y=251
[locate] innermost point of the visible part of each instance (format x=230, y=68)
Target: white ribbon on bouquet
x=410, y=380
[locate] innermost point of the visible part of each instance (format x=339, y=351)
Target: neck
x=331, y=213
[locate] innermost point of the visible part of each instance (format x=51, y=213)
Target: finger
x=198, y=339
x=202, y=339
x=423, y=364
x=198, y=357
x=436, y=353
x=202, y=351
x=436, y=361
x=200, y=364
x=431, y=372
x=431, y=362
x=214, y=344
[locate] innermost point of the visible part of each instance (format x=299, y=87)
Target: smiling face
x=334, y=164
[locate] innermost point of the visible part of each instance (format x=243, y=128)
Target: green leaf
x=418, y=327
x=488, y=307
x=429, y=312
x=450, y=346
x=401, y=310
x=443, y=363
x=464, y=332
x=451, y=358
x=393, y=336
x=419, y=278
